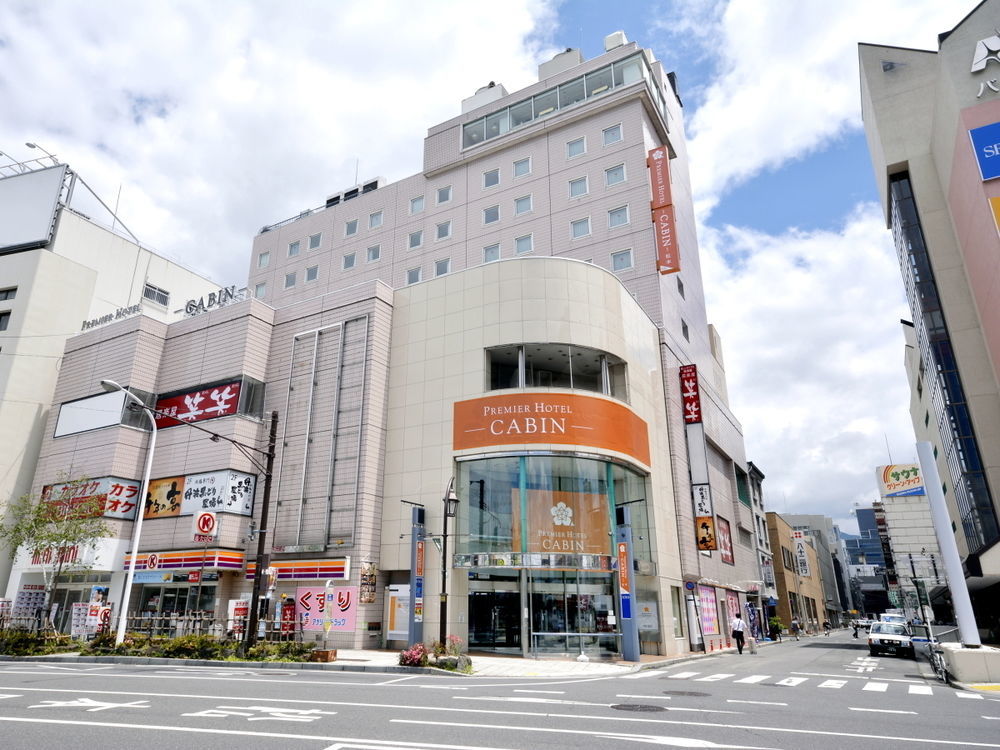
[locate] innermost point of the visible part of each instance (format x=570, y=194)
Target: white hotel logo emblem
x=562, y=515
x=986, y=50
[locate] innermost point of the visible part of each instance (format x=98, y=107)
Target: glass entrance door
x=493, y=621
x=572, y=612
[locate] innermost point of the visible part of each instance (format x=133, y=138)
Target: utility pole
x=250, y=636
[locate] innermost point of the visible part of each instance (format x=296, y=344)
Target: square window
x=289, y=280
x=522, y=167
x=491, y=253
x=312, y=273
x=618, y=217
x=523, y=244
x=315, y=240
x=374, y=253
x=580, y=228
x=417, y=204
x=522, y=205
x=444, y=194
x=576, y=147
x=621, y=261
x=351, y=227
x=293, y=249
x=491, y=178
x=413, y=276
x=578, y=187
x=612, y=134
x=349, y=260
x=263, y=260
x=260, y=290
x=491, y=214
x=444, y=230
x=614, y=175
x=442, y=267
x=375, y=220
x=416, y=239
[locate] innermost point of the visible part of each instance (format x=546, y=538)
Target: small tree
x=56, y=531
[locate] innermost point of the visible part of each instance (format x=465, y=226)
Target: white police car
x=890, y=638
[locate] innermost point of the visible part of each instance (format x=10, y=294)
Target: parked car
x=922, y=638
x=892, y=617
x=890, y=638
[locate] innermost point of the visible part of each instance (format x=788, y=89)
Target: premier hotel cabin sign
x=550, y=418
x=661, y=206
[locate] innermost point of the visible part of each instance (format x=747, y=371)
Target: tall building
x=523, y=324
x=932, y=119
x=797, y=573
x=67, y=264
x=825, y=542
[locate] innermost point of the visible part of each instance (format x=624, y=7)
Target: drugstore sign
x=550, y=418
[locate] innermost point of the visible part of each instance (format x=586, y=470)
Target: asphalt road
x=819, y=693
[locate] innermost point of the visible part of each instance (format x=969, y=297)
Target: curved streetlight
x=111, y=387
x=55, y=161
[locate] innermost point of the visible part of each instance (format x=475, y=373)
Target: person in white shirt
x=738, y=626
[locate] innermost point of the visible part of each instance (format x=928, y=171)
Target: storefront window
x=549, y=365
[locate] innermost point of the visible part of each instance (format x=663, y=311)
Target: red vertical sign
x=623, y=571
x=690, y=395
x=658, y=161
x=664, y=220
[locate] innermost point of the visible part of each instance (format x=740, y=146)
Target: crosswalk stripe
x=920, y=690
x=878, y=687
x=683, y=675
x=832, y=684
x=754, y=678
x=715, y=677
x=642, y=675
x=973, y=696
x=792, y=681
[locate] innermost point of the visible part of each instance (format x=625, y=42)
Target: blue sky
x=202, y=144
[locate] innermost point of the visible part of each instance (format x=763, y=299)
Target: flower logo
x=562, y=515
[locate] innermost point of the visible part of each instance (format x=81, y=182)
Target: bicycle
x=936, y=657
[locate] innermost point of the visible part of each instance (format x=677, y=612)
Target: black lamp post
x=450, y=511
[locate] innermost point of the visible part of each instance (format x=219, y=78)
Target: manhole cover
x=639, y=707
x=686, y=693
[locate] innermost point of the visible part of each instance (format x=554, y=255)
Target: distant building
x=63, y=272
x=797, y=573
x=825, y=543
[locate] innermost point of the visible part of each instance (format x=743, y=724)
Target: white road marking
x=753, y=678
x=398, y=679
x=646, y=697
x=9, y=695
x=441, y=687
x=791, y=681
x=715, y=677
x=876, y=687
x=880, y=710
x=992, y=718
x=683, y=675
x=970, y=696
x=832, y=684
x=852, y=677
x=758, y=703
x=920, y=690
x=641, y=675
x=549, y=692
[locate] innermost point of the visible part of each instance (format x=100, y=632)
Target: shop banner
x=725, y=540
x=667, y=260
x=708, y=609
x=199, y=405
x=705, y=533
x=702, y=495
x=732, y=605
x=120, y=496
x=899, y=480
x=569, y=522
x=658, y=162
x=163, y=500
x=690, y=394
x=320, y=609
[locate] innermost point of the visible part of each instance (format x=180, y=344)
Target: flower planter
x=328, y=654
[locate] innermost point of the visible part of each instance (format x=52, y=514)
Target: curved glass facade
x=536, y=535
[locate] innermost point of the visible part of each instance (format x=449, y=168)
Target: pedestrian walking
x=738, y=627
x=855, y=625
x=794, y=627
x=826, y=626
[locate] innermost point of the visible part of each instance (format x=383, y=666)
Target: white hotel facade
x=508, y=322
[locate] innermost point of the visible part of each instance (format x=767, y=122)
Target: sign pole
x=629, y=623
x=250, y=637
x=417, y=552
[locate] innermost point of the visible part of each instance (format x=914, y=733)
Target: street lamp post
x=55, y=161
x=450, y=511
x=111, y=386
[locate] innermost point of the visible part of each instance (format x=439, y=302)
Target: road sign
x=206, y=527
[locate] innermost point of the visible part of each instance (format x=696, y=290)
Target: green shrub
x=24, y=643
x=279, y=651
x=196, y=647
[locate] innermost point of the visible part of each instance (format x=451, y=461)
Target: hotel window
x=618, y=217
x=685, y=332
x=293, y=249
x=315, y=240
x=491, y=178
x=522, y=167
x=4, y=320
x=312, y=273
x=491, y=214
x=289, y=280
x=491, y=253
x=413, y=276
x=10, y=293
x=375, y=220
x=351, y=227
x=349, y=260
x=444, y=230
x=580, y=228
x=442, y=267
x=523, y=244
x=680, y=287
x=621, y=261
x=444, y=194
x=416, y=239
x=374, y=253
x=263, y=260
x=522, y=205
x=551, y=365
x=576, y=147
x=154, y=294
x=614, y=175
x=417, y=204
x=578, y=187
x=612, y=134
x=260, y=290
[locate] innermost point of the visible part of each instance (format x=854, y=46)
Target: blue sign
x=626, y=606
x=986, y=144
x=419, y=586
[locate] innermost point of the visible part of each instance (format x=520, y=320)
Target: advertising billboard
x=986, y=145
x=899, y=480
x=28, y=205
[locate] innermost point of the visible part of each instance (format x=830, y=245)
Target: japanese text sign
x=320, y=609
x=725, y=540
x=121, y=496
x=690, y=394
x=196, y=406
x=667, y=260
